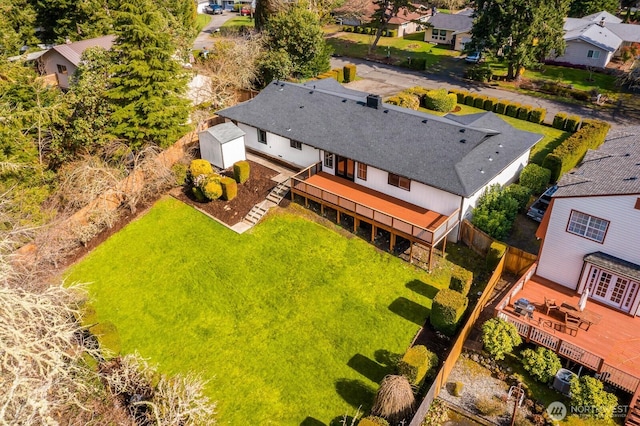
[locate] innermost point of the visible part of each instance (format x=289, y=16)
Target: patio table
x=586, y=317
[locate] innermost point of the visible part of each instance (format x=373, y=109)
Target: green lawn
x=239, y=21
x=289, y=322
x=202, y=20
x=398, y=49
x=551, y=137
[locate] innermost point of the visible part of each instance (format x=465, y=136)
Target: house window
x=439, y=34
x=594, y=54
x=328, y=160
x=262, y=136
x=62, y=69
x=296, y=145
x=587, y=226
x=362, y=171
x=399, y=181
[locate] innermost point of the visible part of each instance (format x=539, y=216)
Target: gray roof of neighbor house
x=459, y=155
x=592, y=33
x=73, y=51
x=456, y=22
x=599, y=16
x=614, y=169
x=224, y=132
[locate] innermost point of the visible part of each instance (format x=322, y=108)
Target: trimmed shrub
x=489, y=103
x=479, y=72
x=339, y=74
x=197, y=193
x=559, y=120
x=458, y=387
x=447, y=310
x=572, y=124
x=499, y=337
x=348, y=29
x=524, y=111
x=512, y=109
x=478, y=102
x=495, y=253
x=349, y=73
x=535, y=177
x=489, y=405
x=495, y=212
x=418, y=91
x=392, y=33
x=460, y=95
x=461, y=280
x=229, y=188
x=211, y=187
x=501, y=107
x=469, y=99
x=241, y=171
x=537, y=115
x=405, y=100
x=440, y=100
x=571, y=151
x=199, y=168
x=542, y=364
x=180, y=171
x=417, y=363
x=589, y=392
x=521, y=194
x=416, y=63
x=373, y=421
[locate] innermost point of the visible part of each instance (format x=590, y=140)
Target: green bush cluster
x=349, y=73
x=478, y=102
x=241, y=171
x=559, y=120
x=542, y=364
x=535, y=177
x=392, y=33
x=418, y=92
x=495, y=212
x=499, y=106
x=461, y=280
x=460, y=94
x=417, y=363
x=198, y=168
x=573, y=123
x=537, y=115
x=512, y=109
x=479, y=72
x=229, y=188
x=447, y=310
x=469, y=99
x=571, y=151
x=589, y=392
x=373, y=421
x=180, y=171
x=489, y=103
x=563, y=90
x=500, y=337
x=496, y=251
x=405, y=100
x=339, y=74
x=521, y=194
x=439, y=100
x=211, y=187
x=458, y=387
x=524, y=112
x=419, y=64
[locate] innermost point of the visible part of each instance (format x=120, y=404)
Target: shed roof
x=225, y=132
x=459, y=155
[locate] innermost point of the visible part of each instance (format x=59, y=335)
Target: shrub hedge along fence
x=417, y=363
x=559, y=120
x=570, y=152
x=535, y=177
x=241, y=171
x=447, y=310
x=461, y=280
x=496, y=251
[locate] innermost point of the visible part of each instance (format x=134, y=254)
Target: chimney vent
x=601, y=23
x=374, y=101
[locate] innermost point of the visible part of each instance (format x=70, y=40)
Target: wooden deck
x=611, y=347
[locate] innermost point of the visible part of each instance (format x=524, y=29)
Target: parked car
x=473, y=57
x=213, y=9
x=245, y=11
x=539, y=207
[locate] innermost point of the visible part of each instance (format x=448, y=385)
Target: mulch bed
x=250, y=193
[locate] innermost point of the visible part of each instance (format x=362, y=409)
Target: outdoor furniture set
x=573, y=319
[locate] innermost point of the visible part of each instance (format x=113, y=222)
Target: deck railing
x=419, y=233
x=607, y=373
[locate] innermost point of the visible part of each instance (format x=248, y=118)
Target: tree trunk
x=510, y=72
x=373, y=45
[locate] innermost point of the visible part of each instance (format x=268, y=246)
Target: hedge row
x=417, y=364
x=461, y=280
x=570, y=123
x=511, y=109
x=369, y=30
x=569, y=153
x=349, y=73
x=241, y=171
x=447, y=310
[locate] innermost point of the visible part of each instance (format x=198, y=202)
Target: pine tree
x=146, y=82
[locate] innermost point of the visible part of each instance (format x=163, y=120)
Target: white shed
x=222, y=145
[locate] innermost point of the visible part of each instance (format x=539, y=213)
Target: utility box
x=222, y=145
x=562, y=381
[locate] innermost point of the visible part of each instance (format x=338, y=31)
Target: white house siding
x=279, y=147
x=507, y=176
x=461, y=39
x=428, y=36
x=232, y=152
x=210, y=149
x=561, y=258
x=51, y=60
x=576, y=53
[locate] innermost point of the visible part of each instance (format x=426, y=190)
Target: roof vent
x=374, y=101
x=386, y=111
x=425, y=121
x=631, y=178
x=463, y=140
x=344, y=101
x=462, y=130
x=601, y=23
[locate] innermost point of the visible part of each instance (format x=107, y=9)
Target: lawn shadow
x=356, y=393
x=369, y=368
x=422, y=288
x=310, y=421
x=386, y=358
x=410, y=310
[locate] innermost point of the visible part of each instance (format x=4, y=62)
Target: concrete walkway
x=386, y=80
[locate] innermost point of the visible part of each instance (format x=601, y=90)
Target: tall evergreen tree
x=17, y=19
x=146, y=82
x=74, y=19
x=525, y=31
x=181, y=17
x=580, y=8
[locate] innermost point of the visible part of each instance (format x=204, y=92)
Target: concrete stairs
x=279, y=192
x=273, y=199
x=633, y=417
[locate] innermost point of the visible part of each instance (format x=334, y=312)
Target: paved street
x=386, y=80
x=204, y=38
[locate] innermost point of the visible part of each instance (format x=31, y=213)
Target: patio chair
x=549, y=304
x=571, y=324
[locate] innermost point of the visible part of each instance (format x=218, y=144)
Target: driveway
x=387, y=80
x=204, y=38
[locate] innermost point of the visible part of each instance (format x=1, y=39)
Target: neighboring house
x=591, y=231
x=450, y=29
x=585, y=286
x=595, y=39
x=358, y=13
x=412, y=174
x=63, y=60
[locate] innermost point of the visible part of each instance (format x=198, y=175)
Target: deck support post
x=306, y=202
x=411, y=253
x=430, y=256
x=322, y=209
x=373, y=232
x=392, y=241
x=356, y=223
x=444, y=246
x=338, y=216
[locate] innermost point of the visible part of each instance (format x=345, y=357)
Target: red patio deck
x=611, y=346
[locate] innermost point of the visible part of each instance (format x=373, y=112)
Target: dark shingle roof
x=457, y=22
x=73, y=51
x=457, y=154
x=614, y=169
